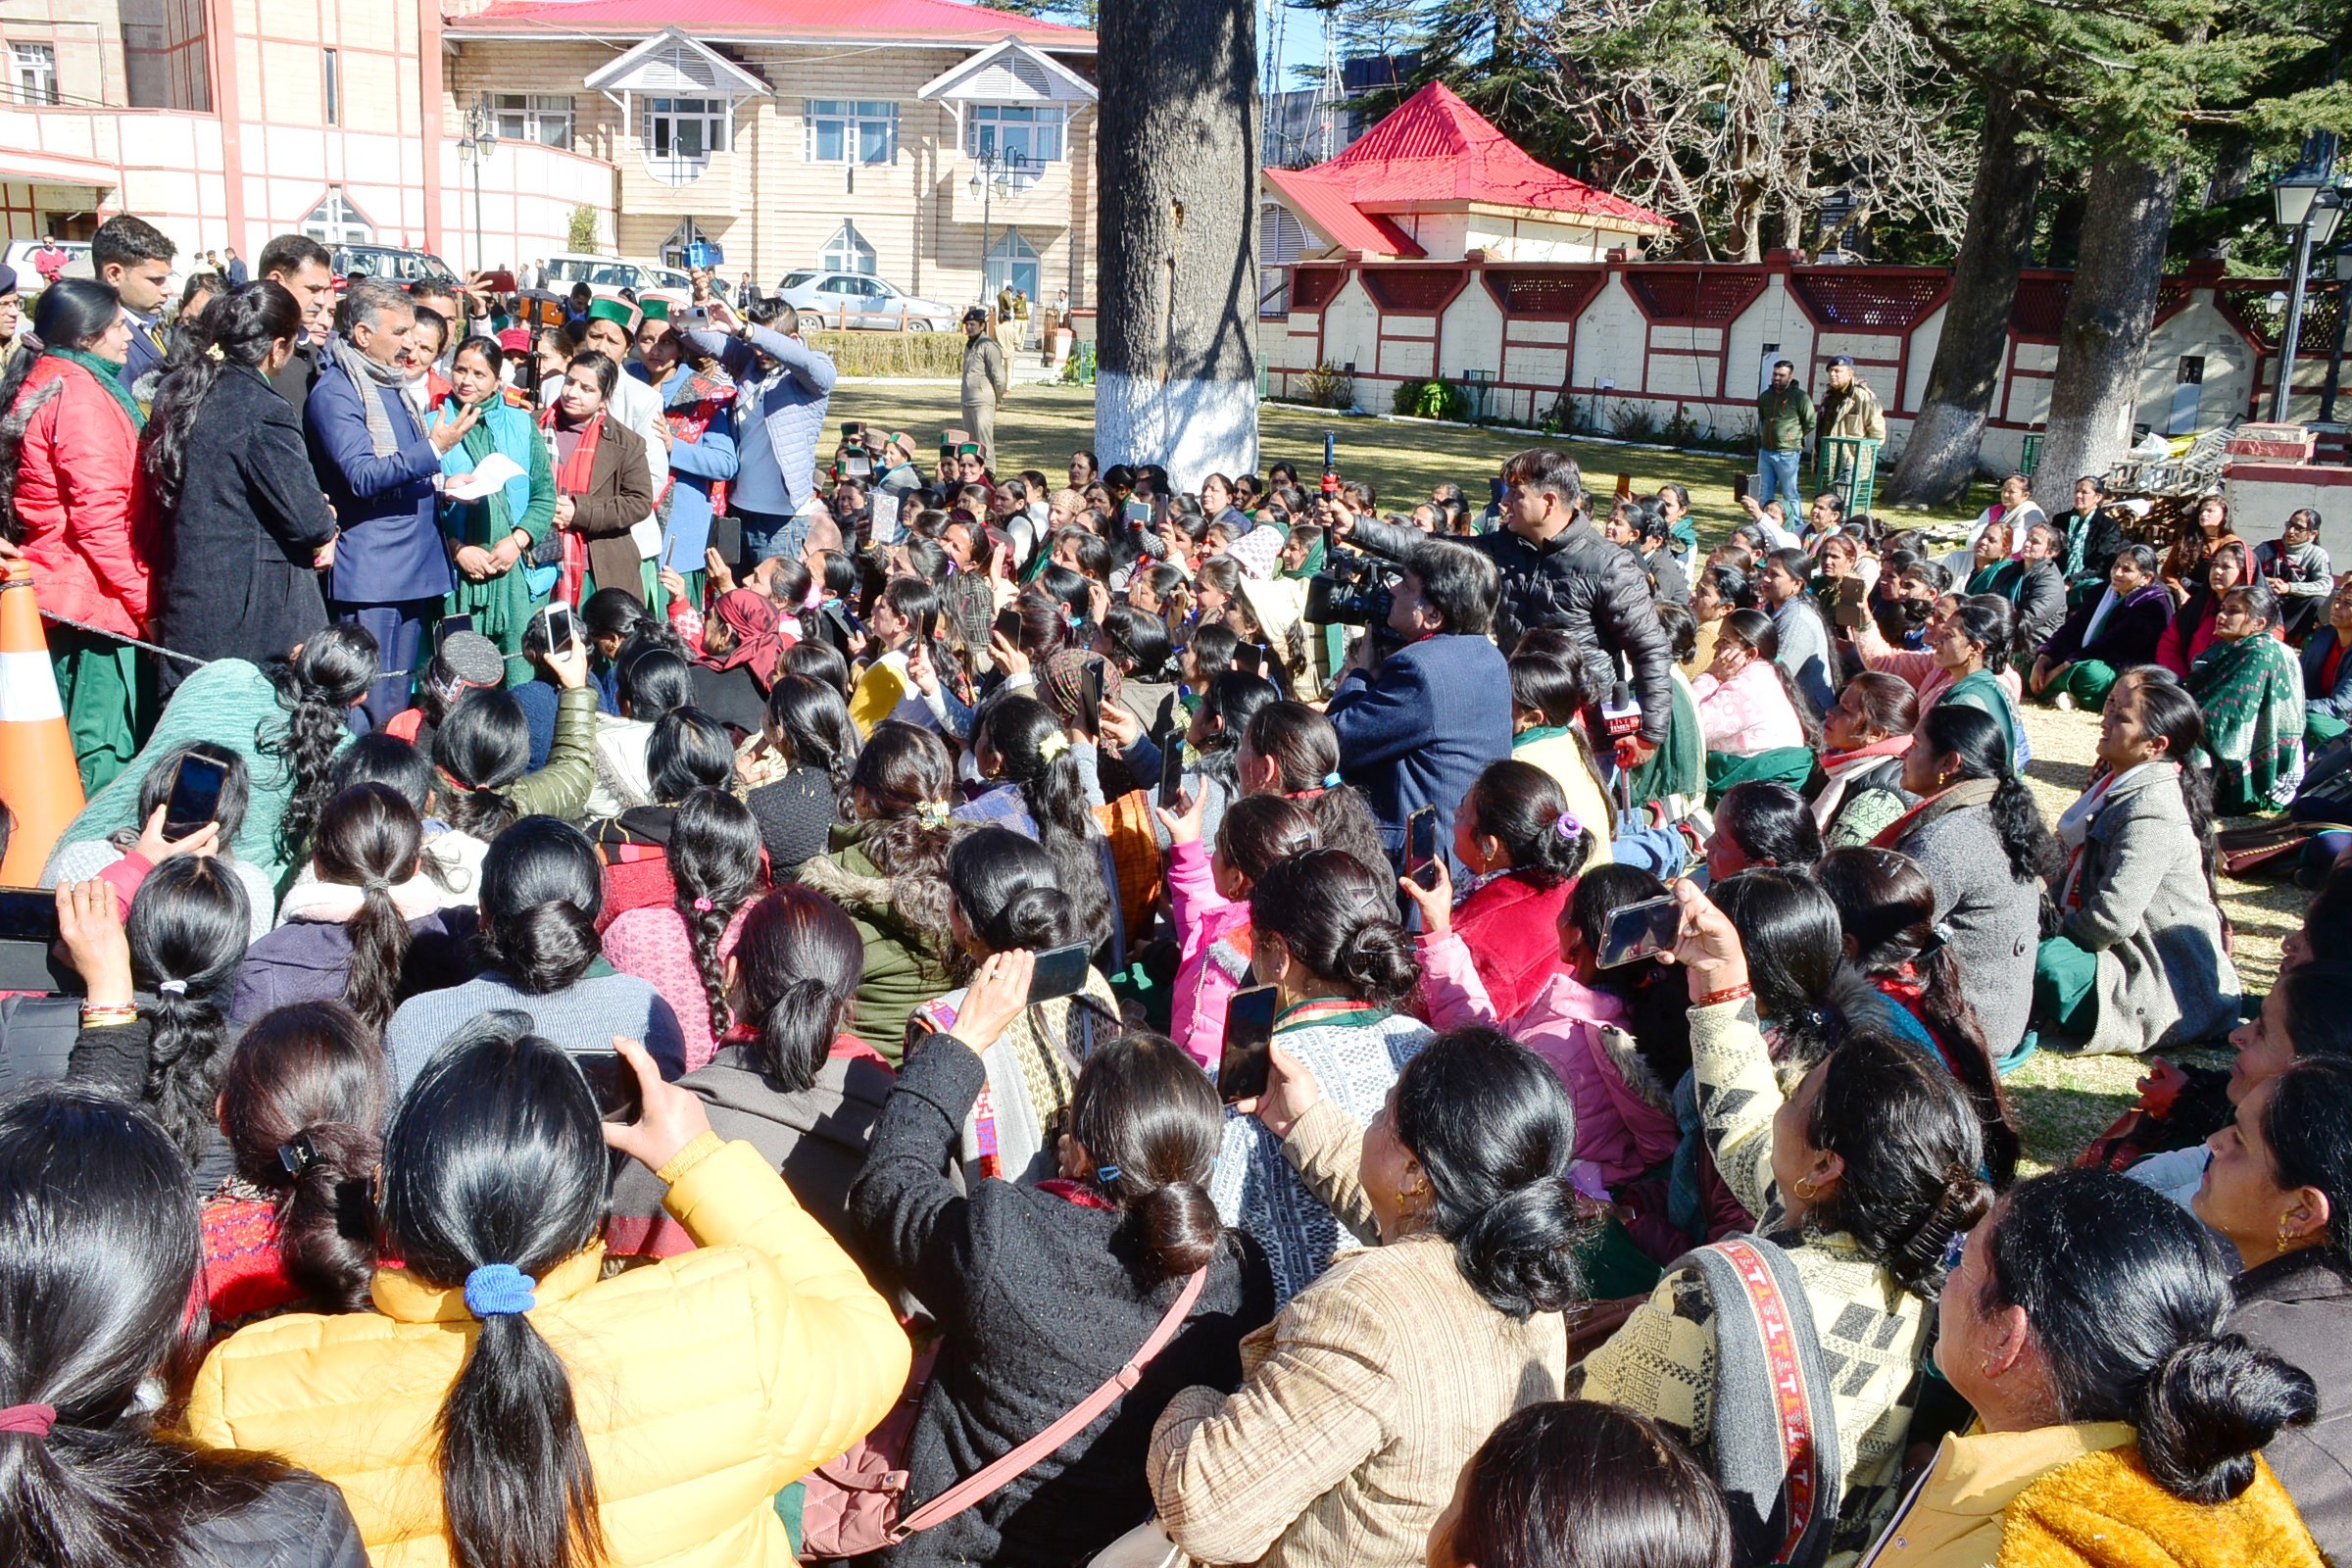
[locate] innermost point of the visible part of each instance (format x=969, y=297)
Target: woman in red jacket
x=69, y=496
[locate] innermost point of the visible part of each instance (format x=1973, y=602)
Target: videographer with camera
x=1557, y=569
x=1425, y=704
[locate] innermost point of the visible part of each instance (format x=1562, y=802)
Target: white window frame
x=853, y=121
x=1030, y=129
x=664, y=122
x=545, y=119
x=337, y=221
x=32, y=74
x=849, y=251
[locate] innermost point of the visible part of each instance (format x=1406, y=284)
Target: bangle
x=1737, y=992
x=105, y=1015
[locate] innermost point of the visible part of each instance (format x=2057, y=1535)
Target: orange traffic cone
x=40, y=783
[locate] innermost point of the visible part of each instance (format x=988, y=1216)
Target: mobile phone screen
x=930, y=625
x=857, y=465
x=1139, y=513
x=1171, y=768
x=1242, y=1068
x=1638, y=931
x=1008, y=625
x=1421, y=845
x=1059, y=972
x=620, y=1097
x=195, y=796
x=450, y=626
x=27, y=914
x=1739, y=487
x=560, y=630
x=1092, y=694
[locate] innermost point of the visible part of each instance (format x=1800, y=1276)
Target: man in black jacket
x=302, y=266
x=1558, y=570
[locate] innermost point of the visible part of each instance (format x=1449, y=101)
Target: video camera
x=1351, y=590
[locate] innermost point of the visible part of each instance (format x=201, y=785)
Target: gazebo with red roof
x=1436, y=179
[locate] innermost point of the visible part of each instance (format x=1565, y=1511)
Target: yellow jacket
x=704, y=1384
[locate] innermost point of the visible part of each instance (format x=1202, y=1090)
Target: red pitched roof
x=942, y=21
x=1326, y=204
x=1435, y=148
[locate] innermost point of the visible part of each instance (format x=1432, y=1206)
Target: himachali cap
x=654, y=309
x=620, y=313
x=969, y=449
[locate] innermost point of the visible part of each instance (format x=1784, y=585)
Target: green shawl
x=110, y=376
x=2252, y=693
x=1982, y=691
x=1678, y=765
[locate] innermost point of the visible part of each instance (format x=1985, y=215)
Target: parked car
x=390, y=264
x=20, y=254
x=853, y=300
x=607, y=275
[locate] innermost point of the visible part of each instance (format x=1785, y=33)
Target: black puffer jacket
x=1576, y=581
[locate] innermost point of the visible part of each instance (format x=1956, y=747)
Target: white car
x=853, y=300
x=606, y=275
x=20, y=253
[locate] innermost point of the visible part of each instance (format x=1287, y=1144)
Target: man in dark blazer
x=302, y=266
x=1418, y=724
x=383, y=475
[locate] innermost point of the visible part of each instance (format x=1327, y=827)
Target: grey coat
x=2298, y=1307
x=2146, y=911
x=1995, y=916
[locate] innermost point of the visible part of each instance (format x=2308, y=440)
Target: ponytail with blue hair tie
x=500, y=1289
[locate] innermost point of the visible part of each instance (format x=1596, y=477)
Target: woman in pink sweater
x=1209, y=895
x=1746, y=704
x=681, y=947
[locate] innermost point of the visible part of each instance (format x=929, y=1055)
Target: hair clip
x=1052, y=746
x=171, y=988
x=703, y=905
x=1330, y=780
x=1105, y=1175
x=931, y=813
x=298, y=1155
x=1567, y=827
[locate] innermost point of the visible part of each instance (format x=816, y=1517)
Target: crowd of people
x=739, y=996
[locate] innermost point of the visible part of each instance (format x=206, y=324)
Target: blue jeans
x=1776, y=472
x=769, y=533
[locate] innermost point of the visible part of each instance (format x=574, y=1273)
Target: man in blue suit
x=1420, y=723
x=383, y=475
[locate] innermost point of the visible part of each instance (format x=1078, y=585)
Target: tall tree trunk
x=2104, y=339
x=1940, y=456
x=1176, y=382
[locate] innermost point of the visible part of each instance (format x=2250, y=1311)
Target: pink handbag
x=850, y=1505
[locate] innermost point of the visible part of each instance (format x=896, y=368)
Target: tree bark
x=2103, y=341
x=1176, y=377
x=1940, y=456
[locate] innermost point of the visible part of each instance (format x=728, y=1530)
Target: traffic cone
x=40, y=783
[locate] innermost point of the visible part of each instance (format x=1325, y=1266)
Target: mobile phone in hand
x=1638, y=931
x=620, y=1097
x=195, y=796
x=562, y=631
x=1246, y=1061
x=1171, y=768
x=1739, y=487
x=1421, y=847
x=1059, y=972
x=1139, y=513
x=29, y=915
x=448, y=628
x=1008, y=624
x=1090, y=696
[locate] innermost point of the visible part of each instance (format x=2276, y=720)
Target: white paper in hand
x=488, y=475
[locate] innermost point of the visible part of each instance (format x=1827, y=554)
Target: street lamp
x=475, y=149
x=2310, y=206
x=993, y=170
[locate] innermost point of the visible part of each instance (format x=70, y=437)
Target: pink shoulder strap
x=975, y=1488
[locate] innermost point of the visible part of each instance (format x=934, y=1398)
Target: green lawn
x=2062, y=1102
x=1040, y=426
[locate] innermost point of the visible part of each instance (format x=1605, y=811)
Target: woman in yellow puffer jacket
x=504, y=1404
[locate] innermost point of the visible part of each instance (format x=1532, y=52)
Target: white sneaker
x=2064, y=702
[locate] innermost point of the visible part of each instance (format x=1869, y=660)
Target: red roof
x=1435, y=148
x=1326, y=204
x=944, y=20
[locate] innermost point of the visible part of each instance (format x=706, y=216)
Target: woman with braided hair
x=681, y=949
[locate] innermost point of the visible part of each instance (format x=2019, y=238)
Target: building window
x=32, y=69
x=335, y=222
x=848, y=252
x=1012, y=260
x=531, y=117
x=332, y=77
x=1030, y=134
x=843, y=131
x=681, y=134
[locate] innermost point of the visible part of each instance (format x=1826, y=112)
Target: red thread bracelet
x=1736, y=993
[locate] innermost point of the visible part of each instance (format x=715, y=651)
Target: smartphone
x=1640, y=930
x=1008, y=624
x=1852, y=605
x=27, y=914
x=1740, y=487
x=450, y=626
x=1171, y=768
x=620, y=1097
x=857, y=465
x=562, y=629
x=1244, y=1064
x=1059, y=972
x=1139, y=513
x=1421, y=847
x=1090, y=693
x=930, y=626
x=1494, y=492
x=195, y=796
x=1246, y=659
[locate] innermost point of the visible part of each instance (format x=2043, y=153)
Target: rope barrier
x=111, y=635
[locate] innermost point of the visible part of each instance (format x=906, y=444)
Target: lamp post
x=2308, y=205
x=475, y=149
x=993, y=170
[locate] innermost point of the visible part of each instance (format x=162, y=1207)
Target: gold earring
x=2286, y=1238
x=1805, y=1187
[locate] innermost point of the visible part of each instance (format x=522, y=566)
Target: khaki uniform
x=987, y=377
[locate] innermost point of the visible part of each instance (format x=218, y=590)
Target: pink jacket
x=1209, y=969
x=1624, y=1121
x=79, y=498
x=652, y=944
x=1747, y=714
x=1919, y=668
